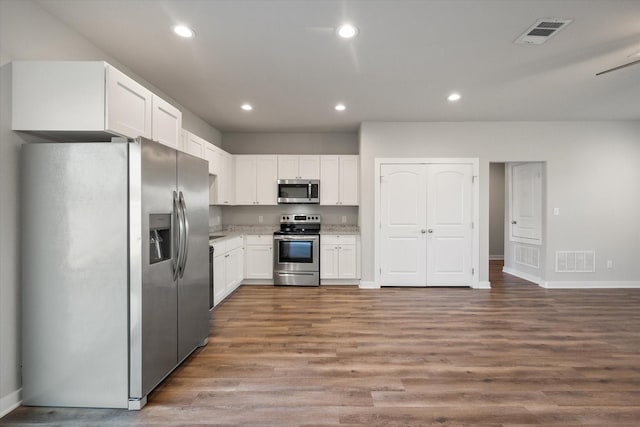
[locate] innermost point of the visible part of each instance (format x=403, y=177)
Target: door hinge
x=473, y=178
x=473, y=271
x=381, y=177
x=473, y=225
x=381, y=271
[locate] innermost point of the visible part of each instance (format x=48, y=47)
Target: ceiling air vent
x=542, y=30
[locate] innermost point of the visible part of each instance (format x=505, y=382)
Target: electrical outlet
x=260, y=219
x=609, y=264
x=556, y=211
x=344, y=219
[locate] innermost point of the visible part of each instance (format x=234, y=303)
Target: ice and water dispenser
x=159, y=237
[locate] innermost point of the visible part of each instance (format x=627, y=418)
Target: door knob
x=514, y=222
x=430, y=230
x=423, y=231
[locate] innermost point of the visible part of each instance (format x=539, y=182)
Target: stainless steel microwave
x=298, y=191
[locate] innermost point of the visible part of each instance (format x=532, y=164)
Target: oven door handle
x=295, y=274
x=296, y=237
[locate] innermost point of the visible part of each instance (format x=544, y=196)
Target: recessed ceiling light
x=340, y=107
x=247, y=107
x=454, y=97
x=347, y=31
x=183, y=31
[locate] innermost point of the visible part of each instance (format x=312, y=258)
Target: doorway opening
x=516, y=218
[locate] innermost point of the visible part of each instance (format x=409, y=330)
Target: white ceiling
x=284, y=58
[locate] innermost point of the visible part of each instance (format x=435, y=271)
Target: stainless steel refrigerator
x=114, y=269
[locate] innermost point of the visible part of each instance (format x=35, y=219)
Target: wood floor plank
x=513, y=356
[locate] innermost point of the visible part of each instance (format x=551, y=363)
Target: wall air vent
x=527, y=255
x=542, y=30
x=575, y=262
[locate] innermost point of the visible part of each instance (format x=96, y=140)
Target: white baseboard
x=496, y=257
x=265, y=282
x=600, y=284
x=339, y=282
x=368, y=285
x=522, y=275
x=10, y=402
x=482, y=285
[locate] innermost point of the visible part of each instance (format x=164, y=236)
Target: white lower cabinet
x=228, y=262
x=259, y=256
x=338, y=257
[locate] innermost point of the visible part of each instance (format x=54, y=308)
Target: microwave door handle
x=309, y=192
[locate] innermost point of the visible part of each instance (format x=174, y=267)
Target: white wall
x=291, y=143
x=592, y=173
x=28, y=32
x=496, y=210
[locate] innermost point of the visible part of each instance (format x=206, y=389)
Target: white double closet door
x=426, y=224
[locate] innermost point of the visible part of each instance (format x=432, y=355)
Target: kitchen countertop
x=340, y=229
x=239, y=230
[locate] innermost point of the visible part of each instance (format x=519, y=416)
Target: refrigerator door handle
x=178, y=236
x=185, y=246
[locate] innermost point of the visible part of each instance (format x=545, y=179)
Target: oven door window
x=295, y=251
x=293, y=191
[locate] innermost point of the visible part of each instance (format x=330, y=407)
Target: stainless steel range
x=296, y=260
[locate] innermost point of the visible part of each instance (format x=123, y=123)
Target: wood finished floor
x=515, y=355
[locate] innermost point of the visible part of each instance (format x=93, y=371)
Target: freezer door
x=153, y=316
x=193, y=292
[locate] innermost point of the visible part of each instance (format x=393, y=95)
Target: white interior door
x=526, y=202
x=403, y=191
x=449, y=224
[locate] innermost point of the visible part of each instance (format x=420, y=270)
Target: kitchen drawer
x=234, y=243
x=337, y=239
x=259, y=239
x=220, y=247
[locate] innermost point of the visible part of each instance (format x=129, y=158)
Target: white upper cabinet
x=60, y=96
x=339, y=180
x=89, y=98
x=329, y=180
x=213, y=155
x=222, y=188
x=349, y=178
x=245, y=174
x=193, y=144
x=166, y=123
x=299, y=167
x=228, y=183
x=256, y=180
x=129, y=105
